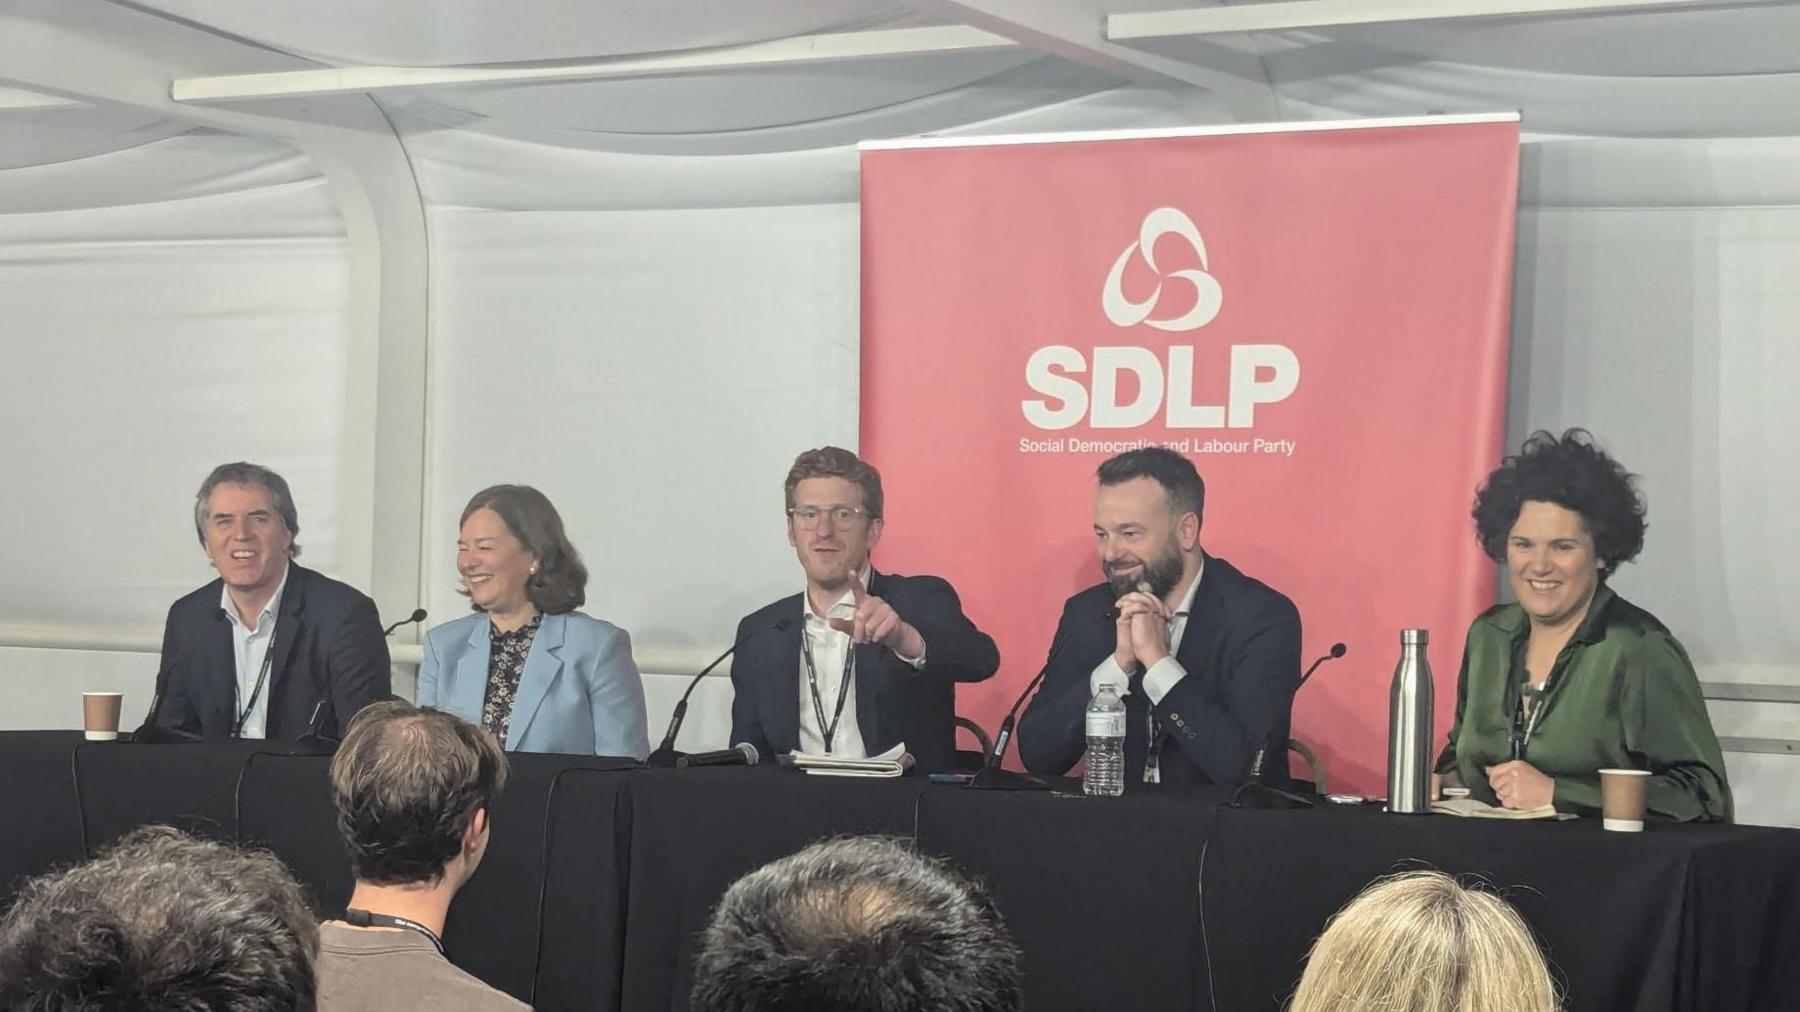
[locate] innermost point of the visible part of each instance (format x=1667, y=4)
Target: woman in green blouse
x=1604, y=684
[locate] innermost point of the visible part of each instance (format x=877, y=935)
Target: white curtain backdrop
x=648, y=326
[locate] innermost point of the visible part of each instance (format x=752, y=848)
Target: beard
x=1161, y=573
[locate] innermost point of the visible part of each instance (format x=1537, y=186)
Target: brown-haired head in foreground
x=406, y=783
x=837, y=462
x=560, y=583
x=1421, y=942
x=856, y=925
x=162, y=920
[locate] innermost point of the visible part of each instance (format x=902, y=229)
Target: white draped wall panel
x=654, y=373
x=159, y=321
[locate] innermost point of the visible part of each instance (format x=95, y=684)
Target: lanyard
x=237, y=730
x=364, y=919
x=812, y=679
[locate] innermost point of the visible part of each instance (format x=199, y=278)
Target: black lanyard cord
x=812, y=679
x=365, y=919
x=262, y=675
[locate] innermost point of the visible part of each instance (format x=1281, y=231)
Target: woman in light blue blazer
x=539, y=675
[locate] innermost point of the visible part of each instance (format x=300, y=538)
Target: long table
x=600, y=875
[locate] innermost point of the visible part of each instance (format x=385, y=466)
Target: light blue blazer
x=580, y=692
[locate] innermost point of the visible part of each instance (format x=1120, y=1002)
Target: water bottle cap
x=1414, y=637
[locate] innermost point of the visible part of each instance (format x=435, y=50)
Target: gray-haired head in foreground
x=856, y=925
x=255, y=475
x=162, y=921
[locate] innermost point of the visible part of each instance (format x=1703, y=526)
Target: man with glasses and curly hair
x=413, y=789
x=861, y=661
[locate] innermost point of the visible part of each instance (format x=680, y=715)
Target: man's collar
x=273, y=607
x=806, y=608
x=1187, y=599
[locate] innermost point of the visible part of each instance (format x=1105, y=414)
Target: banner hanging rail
x=1164, y=133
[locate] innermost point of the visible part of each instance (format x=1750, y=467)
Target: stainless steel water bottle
x=1409, y=727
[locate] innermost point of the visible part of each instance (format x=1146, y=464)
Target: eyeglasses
x=809, y=517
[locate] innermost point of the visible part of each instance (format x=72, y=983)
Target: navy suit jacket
x=894, y=702
x=328, y=645
x=579, y=693
x=1241, y=650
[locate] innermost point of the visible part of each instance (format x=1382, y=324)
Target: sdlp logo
x=1258, y=373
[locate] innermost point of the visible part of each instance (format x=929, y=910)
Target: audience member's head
x=162, y=921
x=1420, y=942
x=412, y=788
x=856, y=925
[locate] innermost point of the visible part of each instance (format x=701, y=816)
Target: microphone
x=665, y=754
x=1337, y=650
x=991, y=777
x=312, y=742
x=1254, y=793
x=741, y=754
x=418, y=615
x=152, y=733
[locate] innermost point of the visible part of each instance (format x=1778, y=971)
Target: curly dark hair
x=162, y=920
x=406, y=782
x=1575, y=474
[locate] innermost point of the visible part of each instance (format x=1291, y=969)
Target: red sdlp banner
x=1315, y=314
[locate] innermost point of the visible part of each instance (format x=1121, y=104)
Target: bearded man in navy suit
x=1206, y=658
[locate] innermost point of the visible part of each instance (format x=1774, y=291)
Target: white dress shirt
x=829, y=647
x=251, y=648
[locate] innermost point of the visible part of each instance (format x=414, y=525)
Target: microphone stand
x=991, y=777
x=665, y=755
x=152, y=733
x=1255, y=793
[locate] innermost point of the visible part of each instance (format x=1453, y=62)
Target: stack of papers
x=891, y=763
x=1469, y=808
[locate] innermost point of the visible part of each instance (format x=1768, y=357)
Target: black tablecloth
x=1102, y=894
x=597, y=881
x=1678, y=917
x=694, y=832
x=37, y=797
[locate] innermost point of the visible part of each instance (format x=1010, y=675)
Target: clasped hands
x=1517, y=784
x=876, y=621
x=1142, y=630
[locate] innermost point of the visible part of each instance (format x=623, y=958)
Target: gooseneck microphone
x=1254, y=793
x=152, y=733
x=991, y=777
x=741, y=754
x=665, y=754
x=418, y=615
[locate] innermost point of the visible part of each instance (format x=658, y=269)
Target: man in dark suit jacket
x=1206, y=658
x=884, y=650
x=270, y=649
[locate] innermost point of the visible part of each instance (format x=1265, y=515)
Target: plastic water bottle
x=1105, y=776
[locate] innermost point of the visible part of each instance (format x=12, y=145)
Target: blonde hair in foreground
x=1420, y=942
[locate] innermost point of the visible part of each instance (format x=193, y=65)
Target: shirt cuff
x=916, y=663
x=1109, y=673
x=1162, y=677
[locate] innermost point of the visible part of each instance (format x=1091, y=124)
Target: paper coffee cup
x=1622, y=800
x=100, y=715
